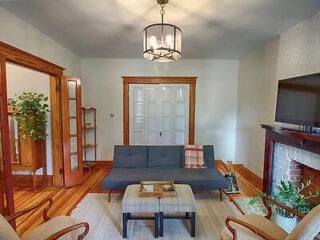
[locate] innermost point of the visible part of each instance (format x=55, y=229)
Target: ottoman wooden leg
x=193, y=224
x=156, y=225
x=124, y=223
x=161, y=224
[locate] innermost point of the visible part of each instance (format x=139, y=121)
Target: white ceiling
x=211, y=28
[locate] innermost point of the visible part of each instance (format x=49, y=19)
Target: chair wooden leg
x=124, y=225
x=109, y=195
x=221, y=194
x=193, y=224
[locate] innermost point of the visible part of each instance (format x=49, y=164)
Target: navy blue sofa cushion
x=130, y=157
x=164, y=157
x=198, y=179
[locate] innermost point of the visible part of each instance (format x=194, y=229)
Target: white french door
x=159, y=114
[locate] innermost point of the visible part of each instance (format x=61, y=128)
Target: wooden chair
x=61, y=227
x=253, y=227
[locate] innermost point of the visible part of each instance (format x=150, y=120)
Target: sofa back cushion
x=164, y=156
x=130, y=157
x=208, y=155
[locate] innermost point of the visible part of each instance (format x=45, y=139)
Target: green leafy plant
x=292, y=197
x=30, y=112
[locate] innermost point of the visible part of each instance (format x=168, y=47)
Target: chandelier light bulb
x=169, y=41
x=153, y=42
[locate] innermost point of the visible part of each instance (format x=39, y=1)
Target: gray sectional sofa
x=132, y=164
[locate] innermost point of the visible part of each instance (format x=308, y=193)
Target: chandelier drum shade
x=162, y=41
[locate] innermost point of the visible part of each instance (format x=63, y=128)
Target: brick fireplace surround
x=290, y=155
x=296, y=165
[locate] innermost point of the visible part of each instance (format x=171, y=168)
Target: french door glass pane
x=73, y=126
x=73, y=108
x=180, y=94
x=180, y=109
x=137, y=94
x=138, y=123
x=138, y=109
x=72, y=89
x=152, y=123
x=73, y=144
x=138, y=137
x=180, y=137
x=74, y=163
x=180, y=123
x=152, y=137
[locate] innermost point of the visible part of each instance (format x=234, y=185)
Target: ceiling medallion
x=162, y=41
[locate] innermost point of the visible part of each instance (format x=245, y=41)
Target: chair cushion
x=198, y=179
x=183, y=202
x=132, y=203
x=52, y=226
x=258, y=221
x=130, y=157
x=308, y=227
x=164, y=156
x=6, y=231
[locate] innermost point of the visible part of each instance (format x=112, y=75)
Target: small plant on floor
x=30, y=112
x=291, y=196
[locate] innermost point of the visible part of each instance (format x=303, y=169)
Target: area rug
x=105, y=219
x=257, y=208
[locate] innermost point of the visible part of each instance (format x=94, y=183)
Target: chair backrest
x=6, y=231
x=308, y=227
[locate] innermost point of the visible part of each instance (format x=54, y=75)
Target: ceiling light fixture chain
x=162, y=41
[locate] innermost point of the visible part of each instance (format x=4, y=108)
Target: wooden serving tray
x=157, y=189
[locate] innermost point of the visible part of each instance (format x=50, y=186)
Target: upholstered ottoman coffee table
x=183, y=202
x=132, y=203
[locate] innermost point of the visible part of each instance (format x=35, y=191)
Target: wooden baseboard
x=26, y=180
x=103, y=164
x=251, y=177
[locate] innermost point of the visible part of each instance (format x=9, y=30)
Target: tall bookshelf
x=89, y=127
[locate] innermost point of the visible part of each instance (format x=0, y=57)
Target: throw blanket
x=194, y=156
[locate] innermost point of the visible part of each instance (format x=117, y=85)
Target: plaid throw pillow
x=194, y=156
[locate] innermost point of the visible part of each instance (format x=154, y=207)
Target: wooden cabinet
x=27, y=155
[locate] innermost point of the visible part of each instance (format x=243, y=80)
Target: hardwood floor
x=64, y=200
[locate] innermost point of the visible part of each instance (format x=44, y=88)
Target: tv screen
x=298, y=100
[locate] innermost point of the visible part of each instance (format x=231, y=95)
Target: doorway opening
x=158, y=110
x=31, y=160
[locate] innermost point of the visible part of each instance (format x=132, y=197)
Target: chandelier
x=162, y=41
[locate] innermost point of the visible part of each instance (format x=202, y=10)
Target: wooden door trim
x=158, y=80
x=6, y=144
x=25, y=59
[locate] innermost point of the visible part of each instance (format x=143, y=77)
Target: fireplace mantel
x=305, y=141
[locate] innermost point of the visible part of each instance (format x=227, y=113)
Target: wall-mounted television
x=298, y=100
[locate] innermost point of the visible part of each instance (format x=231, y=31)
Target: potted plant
x=30, y=112
x=292, y=197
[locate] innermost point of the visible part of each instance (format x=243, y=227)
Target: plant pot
x=287, y=223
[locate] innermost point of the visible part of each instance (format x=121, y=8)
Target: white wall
x=256, y=104
x=296, y=52
x=19, y=80
x=216, y=98
x=17, y=33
